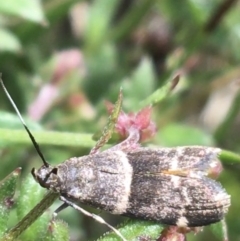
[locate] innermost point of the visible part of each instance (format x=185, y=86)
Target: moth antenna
x=34, y=142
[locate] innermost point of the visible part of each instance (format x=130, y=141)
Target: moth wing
x=177, y=161
x=176, y=200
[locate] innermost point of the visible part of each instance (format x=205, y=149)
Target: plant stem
x=47, y=137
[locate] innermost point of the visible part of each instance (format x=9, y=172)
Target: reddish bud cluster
x=140, y=121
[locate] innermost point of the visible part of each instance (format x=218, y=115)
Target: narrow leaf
x=57, y=231
x=29, y=9
x=9, y=42
x=109, y=128
x=30, y=194
x=161, y=93
x=135, y=230
x=7, y=191
x=30, y=218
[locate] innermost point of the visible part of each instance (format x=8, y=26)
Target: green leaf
x=11, y=121
x=110, y=126
x=29, y=9
x=7, y=191
x=132, y=18
x=30, y=194
x=218, y=229
x=139, y=85
x=161, y=93
x=102, y=68
x=57, y=231
x=30, y=218
x=182, y=135
x=9, y=42
x=100, y=15
x=133, y=230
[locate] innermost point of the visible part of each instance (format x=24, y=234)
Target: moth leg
x=224, y=229
x=59, y=209
x=92, y=215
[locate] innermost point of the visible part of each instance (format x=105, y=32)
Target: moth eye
x=54, y=171
x=33, y=171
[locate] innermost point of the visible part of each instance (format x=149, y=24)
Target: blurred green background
x=60, y=59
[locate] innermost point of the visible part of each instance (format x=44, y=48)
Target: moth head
x=46, y=176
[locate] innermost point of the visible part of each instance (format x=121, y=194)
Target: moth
x=167, y=185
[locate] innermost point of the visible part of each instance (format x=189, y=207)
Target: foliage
x=59, y=61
